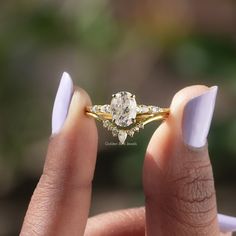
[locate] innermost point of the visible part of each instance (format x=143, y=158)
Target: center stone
x=123, y=109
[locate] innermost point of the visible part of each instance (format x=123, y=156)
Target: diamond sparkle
x=123, y=109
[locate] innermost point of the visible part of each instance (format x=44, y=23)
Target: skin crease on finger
x=178, y=180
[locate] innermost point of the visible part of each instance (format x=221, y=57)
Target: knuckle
x=192, y=195
x=61, y=170
x=51, y=182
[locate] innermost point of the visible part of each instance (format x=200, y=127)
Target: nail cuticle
x=196, y=149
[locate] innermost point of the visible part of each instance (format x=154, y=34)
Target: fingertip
x=171, y=128
x=181, y=98
x=77, y=117
x=75, y=146
x=169, y=132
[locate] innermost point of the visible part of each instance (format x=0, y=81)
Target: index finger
x=61, y=200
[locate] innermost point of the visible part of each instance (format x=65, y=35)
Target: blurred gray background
x=150, y=48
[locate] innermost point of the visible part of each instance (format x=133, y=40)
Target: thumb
x=178, y=179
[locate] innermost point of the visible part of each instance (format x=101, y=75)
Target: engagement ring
x=123, y=117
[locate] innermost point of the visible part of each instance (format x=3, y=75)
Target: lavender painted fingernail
x=227, y=223
x=197, y=118
x=62, y=103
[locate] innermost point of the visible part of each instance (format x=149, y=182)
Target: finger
x=128, y=222
x=61, y=200
x=226, y=234
x=177, y=177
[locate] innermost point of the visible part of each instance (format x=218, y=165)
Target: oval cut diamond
x=123, y=109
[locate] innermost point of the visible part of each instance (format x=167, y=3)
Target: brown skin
x=178, y=182
x=61, y=200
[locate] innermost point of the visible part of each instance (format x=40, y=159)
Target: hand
x=177, y=174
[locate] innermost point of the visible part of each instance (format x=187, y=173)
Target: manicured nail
x=227, y=223
x=197, y=118
x=62, y=103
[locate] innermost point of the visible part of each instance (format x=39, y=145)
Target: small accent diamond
x=95, y=108
x=155, y=109
x=115, y=131
x=106, y=123
x=106, y=108
x=110, y=127
x=122, y=135
x=131, y=132
x=144, y=109
x=141, y=125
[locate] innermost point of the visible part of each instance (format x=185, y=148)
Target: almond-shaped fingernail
x=62, y=102
x=227, y=223
x=197, y=118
